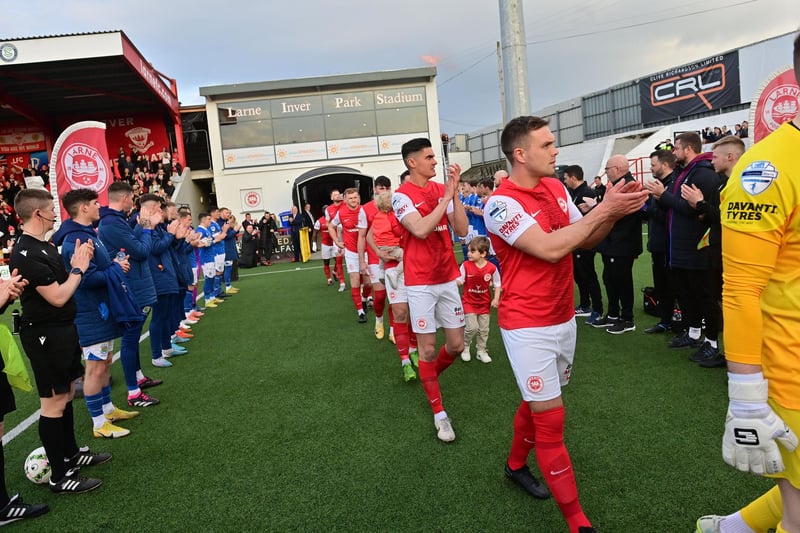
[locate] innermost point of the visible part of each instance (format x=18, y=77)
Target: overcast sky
x=575, y=46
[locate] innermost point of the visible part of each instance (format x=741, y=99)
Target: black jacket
x=685, y=228
x=657, y=234
x=584, y=191
x=625, y=238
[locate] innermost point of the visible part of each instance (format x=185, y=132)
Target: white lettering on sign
x=400, y=97
x=156, y=83
x=294, y=108
x=348, y=102
x=244, y=112
x=120, y=121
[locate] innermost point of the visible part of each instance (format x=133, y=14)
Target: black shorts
x=7, y=402
x=55, y=355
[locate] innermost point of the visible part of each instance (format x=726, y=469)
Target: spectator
x=619, y=249
x=688, y=261
x=590, y=297
x=662, y=166
x=744, y=132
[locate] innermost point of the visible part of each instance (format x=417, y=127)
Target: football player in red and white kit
x=382, y=184
x=338, y=253
x=353, y=222
x=534, y=228
x=328, y=248
x=426, y=210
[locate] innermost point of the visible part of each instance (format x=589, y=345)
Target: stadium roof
x=43, y=79
x=343, y=81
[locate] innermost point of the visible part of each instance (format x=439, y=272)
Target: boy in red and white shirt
x=353, y=222
x=479, y=277
x=427, y=210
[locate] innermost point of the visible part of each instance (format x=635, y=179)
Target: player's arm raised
x=621, y=199
x=458, y=218
x=57, y=294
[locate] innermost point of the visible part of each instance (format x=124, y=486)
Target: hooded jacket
x=116, y=233
x=162, y=266
x=93, y=320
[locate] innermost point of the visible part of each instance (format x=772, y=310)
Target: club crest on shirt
x=758, y=176
x=562, y=204
x=498, y=211
x=487, y=277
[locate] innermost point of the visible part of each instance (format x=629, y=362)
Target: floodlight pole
x=515, y=59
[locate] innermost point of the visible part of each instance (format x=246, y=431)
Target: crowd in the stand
x=713, y=134
x=154, y=174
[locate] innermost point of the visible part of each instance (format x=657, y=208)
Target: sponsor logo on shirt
x=498, y=211
x=748, y=210
x=758, y=176
x=509, y=227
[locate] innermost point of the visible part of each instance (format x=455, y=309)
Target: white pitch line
x=28, y=422
x=278, y=271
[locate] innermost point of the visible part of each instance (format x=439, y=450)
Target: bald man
x=620, y=249
x=499, y=176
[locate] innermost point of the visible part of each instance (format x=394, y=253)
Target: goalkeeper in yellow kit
x=760, y=211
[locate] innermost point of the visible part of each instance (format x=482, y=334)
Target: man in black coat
x=620, y=249
x=298, y=222
x=590, y=297
x=662, y=166
x=689, y=256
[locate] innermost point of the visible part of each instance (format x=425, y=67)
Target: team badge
x=421, y=323
x=487, y=277
x=535, y=384
x=758, y=176
x=498, y=211
x=84, y=167
x=8, y=52
x=562, y=204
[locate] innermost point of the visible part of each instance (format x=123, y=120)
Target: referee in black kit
x=50, y=339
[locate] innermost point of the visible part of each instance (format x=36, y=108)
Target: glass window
x=298, y=129
x=246, y=134
x=350, y=125
x=402, y=120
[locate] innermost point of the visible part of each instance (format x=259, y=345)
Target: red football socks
x=556, y=467
x=355, y=293
x=401, y=339
x=524, y=437
x=430, y=384
x=443, y=360
x=327, y=268
x=339, y=268
x=379, y=301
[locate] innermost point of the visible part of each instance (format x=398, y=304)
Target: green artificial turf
x=288, y=415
